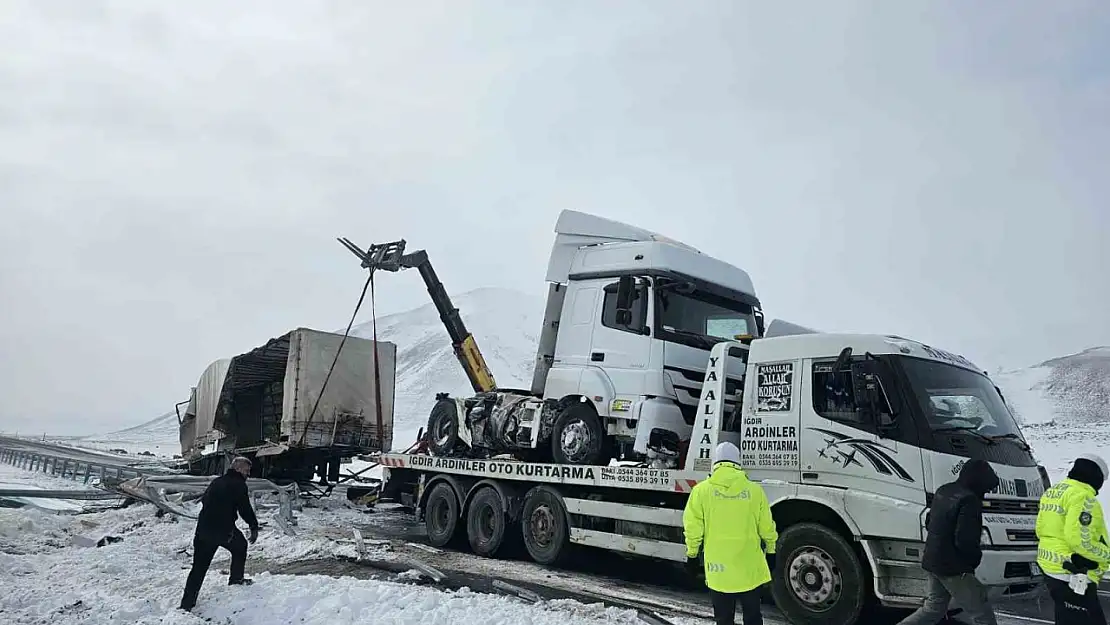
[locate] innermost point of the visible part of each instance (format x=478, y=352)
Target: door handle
x=809, y=476
x=597, y=356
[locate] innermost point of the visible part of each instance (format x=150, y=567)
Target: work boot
x=246, y=581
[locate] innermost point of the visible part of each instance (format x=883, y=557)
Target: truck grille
x=1021, y=536
x=1011, y=506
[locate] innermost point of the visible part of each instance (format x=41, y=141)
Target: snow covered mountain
x=1072, y=390
x=158, y=436
x=506, y=325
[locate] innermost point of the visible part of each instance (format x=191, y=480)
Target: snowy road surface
x=46, y=578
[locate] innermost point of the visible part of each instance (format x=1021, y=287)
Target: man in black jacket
x=952, y=548
x=224, y=498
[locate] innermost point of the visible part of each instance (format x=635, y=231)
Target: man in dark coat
x=224, y=498
x=952, y=548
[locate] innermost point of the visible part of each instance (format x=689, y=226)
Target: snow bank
x=1057, y=448
x=47, y=579
x=315, y=599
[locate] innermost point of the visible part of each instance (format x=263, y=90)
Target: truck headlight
x=985, y=537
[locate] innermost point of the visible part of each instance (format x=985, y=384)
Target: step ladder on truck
x=849, y=435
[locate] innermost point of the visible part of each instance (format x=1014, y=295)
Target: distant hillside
x=1068, y=389
x=506, y=325
x=159, y=432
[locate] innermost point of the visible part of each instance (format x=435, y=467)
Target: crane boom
x=391, y=257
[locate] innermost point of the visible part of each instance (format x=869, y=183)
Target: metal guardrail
x=86, y=495
x=59, y=466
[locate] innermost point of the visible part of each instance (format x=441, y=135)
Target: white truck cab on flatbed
x=628, y=324
x=850, y=435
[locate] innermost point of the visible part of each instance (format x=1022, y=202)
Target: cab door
x=769, y=428
x=851, y=438
x=621, y=346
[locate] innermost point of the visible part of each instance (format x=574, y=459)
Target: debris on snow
x=431, y=572
x=427, y=548
x=517, y=591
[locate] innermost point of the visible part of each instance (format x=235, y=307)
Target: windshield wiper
x=1013, y=437
x=704, y=340
x=970, y=430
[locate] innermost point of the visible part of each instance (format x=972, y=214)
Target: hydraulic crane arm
x=392, y=257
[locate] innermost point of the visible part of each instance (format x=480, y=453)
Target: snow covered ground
x=46, y=578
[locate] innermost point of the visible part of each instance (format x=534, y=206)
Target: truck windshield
x=691, y=316
x=957, y=399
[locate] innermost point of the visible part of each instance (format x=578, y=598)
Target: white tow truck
x=850, y=436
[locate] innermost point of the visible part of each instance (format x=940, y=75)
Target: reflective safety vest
x=1070, y=521
x=729, y=516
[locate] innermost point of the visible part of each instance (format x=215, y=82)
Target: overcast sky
x=173, y=175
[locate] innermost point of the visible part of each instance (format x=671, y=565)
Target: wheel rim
x=815, y=580
x=440, y=516
x=541, y=526
x=485, y=524
x=575, y=441
x=443, y=431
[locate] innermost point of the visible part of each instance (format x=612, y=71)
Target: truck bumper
x=658, y=412
x=1010, y=573
x=1005, y=574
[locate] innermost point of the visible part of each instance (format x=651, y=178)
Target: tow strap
x=377, y=368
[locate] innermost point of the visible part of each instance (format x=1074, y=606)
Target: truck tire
x=543, y=524
x=443, y=428
x=577, y=436
x=486, y=522
x=441, y=515
x=819, y=578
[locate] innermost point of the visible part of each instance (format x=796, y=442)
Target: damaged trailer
x=296, y=406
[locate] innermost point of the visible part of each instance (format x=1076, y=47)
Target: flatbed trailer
x=552, y=494
x=850, y=508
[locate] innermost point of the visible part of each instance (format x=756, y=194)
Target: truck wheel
x=819, y=580
x=486, y=523
x=443, y=428
x=577, y=437
x=441, y=515
x=543, y=523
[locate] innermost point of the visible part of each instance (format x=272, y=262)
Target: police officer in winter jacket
x=224, y=498
x=952, y=548
x=728, y=519
x=1073, y=551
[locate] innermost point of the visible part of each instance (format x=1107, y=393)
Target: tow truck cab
x=858, y=432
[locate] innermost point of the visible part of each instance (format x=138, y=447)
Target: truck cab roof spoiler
x=779, y=327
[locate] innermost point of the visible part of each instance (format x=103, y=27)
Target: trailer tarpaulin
x=200, y=416
x=347, y=410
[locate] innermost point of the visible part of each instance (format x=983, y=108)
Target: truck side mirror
x=625, y=288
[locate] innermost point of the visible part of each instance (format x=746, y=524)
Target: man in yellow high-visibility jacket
x=1072, y=549
x=728, y=519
